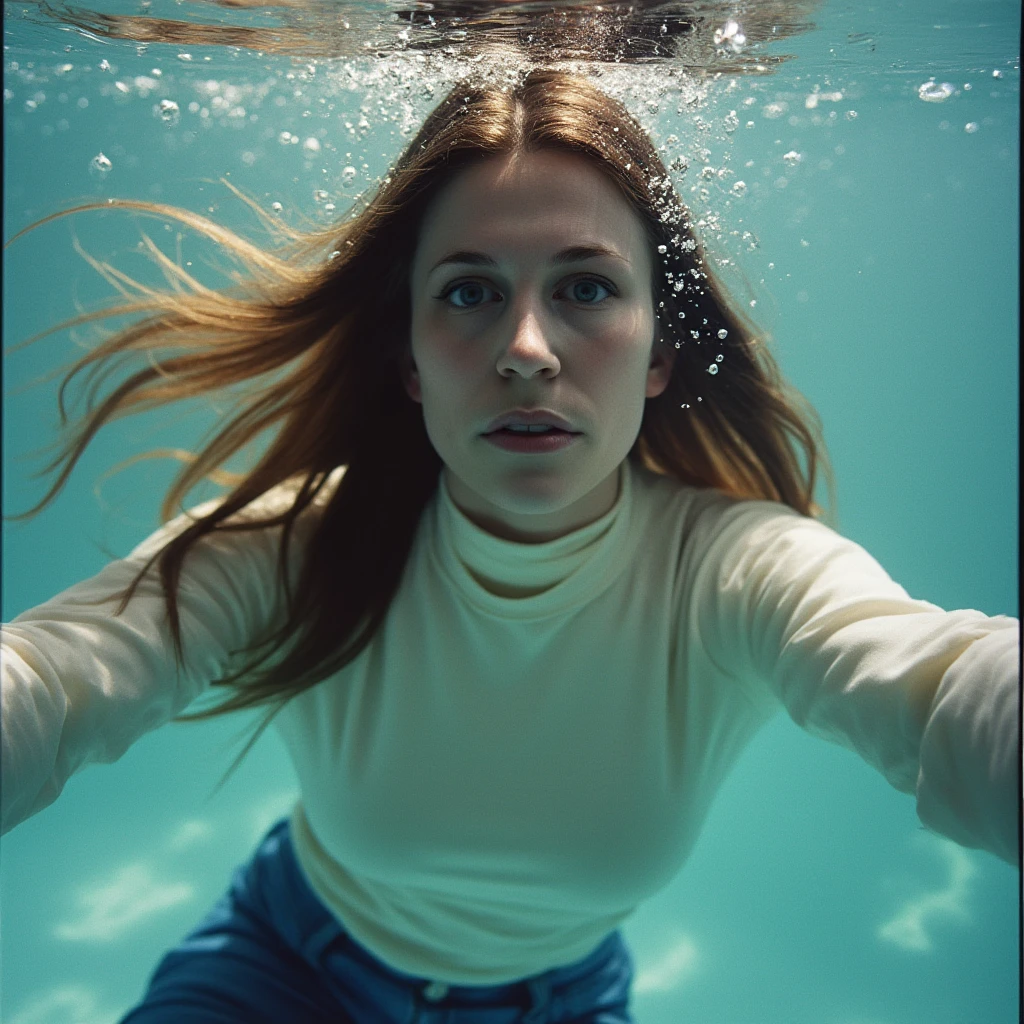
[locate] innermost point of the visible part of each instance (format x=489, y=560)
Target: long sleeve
x=928, y=697
x=81, y=684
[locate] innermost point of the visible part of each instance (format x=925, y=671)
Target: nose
x=527, y=352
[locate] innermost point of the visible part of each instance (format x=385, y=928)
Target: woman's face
x=531, y=290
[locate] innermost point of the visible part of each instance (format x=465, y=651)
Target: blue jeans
x=271, y=953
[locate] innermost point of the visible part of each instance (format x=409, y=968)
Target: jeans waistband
x=321, y=939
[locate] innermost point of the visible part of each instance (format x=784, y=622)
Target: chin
x=536, y=504
x=535, y=497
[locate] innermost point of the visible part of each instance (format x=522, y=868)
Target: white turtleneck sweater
x=529, y=746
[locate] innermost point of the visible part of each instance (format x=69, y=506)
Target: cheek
x=444, y=369
x=448, y=375
x=619, y=359
x=442, y=357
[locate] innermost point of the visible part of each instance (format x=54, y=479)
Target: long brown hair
x=314, y=336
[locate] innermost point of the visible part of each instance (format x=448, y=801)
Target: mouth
x=550, y=439
x=529, y=431
x=529, y=422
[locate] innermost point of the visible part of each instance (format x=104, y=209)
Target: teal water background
x=886, y=272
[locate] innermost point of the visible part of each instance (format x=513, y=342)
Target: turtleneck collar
x=512, y=579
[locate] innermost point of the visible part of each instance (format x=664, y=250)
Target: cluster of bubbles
x=398, y=92
x=939, y=92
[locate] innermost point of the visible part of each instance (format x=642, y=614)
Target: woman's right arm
x=80, y=684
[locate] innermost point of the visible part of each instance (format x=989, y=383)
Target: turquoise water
x=886, y=271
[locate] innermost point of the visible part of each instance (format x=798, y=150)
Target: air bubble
x=792, y=158
x=663, y=249
x=319, y=195
x=719, y=357
x=723, y=333
x=284, y=138
x=104, y=65
x=348, y=175
x=168, y=112
x=334, y=255
x=311, y=145
x=935, y=92
x=739, y=188
x=730, y=35
x=276, y=207
x=713, y=369
x=971, y=126
x=100, y=166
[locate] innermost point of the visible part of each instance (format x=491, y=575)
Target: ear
x=410, y=377
x=660, y=369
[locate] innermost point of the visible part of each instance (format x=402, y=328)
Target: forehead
x=531, y=202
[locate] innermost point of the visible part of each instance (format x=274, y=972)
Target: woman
x=529, y=560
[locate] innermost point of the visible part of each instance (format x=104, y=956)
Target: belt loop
x=540, y=993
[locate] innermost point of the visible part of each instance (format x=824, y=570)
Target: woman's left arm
x=928, y=697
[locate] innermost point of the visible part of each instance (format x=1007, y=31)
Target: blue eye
x=472, y=294
x=583, y=291
x=473, y=298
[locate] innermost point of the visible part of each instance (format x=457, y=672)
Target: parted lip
x=529, y=418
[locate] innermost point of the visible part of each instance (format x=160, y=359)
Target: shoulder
x=713, y=532
x=699, y=514
x=269, y=505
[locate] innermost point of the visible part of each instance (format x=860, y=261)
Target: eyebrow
x=573, y=254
